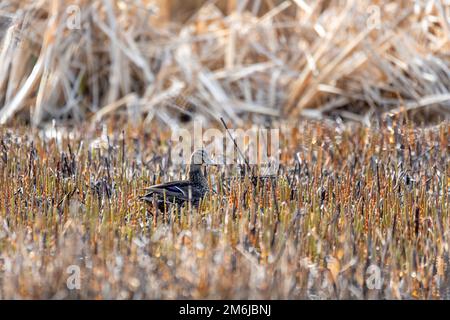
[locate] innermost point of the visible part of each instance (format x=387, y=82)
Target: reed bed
x=346, y=197
x=87, y=60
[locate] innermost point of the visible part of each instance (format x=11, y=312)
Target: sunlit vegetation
x=346, y=197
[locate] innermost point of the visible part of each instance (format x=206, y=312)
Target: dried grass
x=260, y=59
x=346, y=197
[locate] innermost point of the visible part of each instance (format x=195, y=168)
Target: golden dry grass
x=346, y=197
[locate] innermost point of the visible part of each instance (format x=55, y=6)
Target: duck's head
x=200, y=157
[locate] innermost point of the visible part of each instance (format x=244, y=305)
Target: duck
x=181, y=192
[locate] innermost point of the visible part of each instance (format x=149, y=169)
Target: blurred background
x=247, y=61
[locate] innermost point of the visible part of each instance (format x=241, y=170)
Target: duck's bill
x=210, y=162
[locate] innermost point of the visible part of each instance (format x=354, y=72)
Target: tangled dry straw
x=261, y=59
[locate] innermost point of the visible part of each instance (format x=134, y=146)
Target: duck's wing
x=178, y=190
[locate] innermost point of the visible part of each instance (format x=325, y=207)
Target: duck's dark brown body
x=180, y=192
